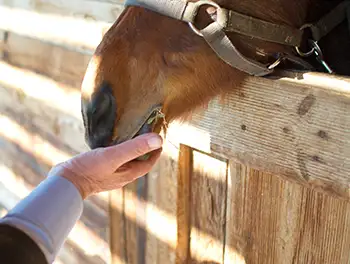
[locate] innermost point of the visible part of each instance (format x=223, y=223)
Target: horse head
x=148, y=64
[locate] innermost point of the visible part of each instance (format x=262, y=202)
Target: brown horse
x=147, y=60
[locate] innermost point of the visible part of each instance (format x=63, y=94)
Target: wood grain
x=167, y=195
x=184, y=204
x=92, y=10
x=151, y=254
x=298, y=129
x=271, y=220
x=208, y=209
x=23, y=167
x=2, y=42
x=57, y=62
x=117, y=227
x=131, y=236
x=77, y=24
x=54, y=116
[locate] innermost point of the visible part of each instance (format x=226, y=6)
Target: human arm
x=49, y=213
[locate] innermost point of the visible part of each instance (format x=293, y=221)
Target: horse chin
x=152, y=124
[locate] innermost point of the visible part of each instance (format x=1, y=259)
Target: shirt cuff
x=48, y=214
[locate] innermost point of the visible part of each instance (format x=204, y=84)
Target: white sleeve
x=48, y=214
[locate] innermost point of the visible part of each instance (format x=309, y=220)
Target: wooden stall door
x=263, y=178
x=205, y=209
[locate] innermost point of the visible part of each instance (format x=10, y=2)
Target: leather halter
x=231, y=21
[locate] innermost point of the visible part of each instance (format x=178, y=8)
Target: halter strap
x=213, y=34
x=231, y=21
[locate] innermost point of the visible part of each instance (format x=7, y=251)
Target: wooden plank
x=271, y=220
x=75, y=23
x=117, y=227
x=2, y=42
x=208, y=196
x=296, y=128
x=131, y=237
x=151, y=254
x=37, y=136
x=167, y=188
x=54, y=116
x=57, y=62
x=91, y=10
x=135, y=208
x=184, y=204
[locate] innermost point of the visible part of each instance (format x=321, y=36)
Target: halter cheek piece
x=231, y=21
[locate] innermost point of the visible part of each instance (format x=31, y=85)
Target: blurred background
x=45, y=46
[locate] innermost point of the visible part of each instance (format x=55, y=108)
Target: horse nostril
x=99, y=116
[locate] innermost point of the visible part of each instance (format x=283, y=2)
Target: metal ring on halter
x=198, y=5
x=276, y=63
x=310, y=52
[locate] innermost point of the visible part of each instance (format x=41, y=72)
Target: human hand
x=110, y=168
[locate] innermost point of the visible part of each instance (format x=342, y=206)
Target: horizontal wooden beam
x=78, y=27
x=62, y=63
x=296, y=126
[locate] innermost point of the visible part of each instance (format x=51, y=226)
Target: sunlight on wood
x=30, y=142
x=53, y=28
x=232, y=256
x=160, y=223
x=13, y=183
x=211, y=166
x=164, y=227
x=336, y=84
x=61, y=97
x=81, y=236
x=188, y=135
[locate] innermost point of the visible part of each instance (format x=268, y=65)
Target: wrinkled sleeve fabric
x=47, y=215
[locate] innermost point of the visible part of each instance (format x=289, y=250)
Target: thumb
x=134, y=148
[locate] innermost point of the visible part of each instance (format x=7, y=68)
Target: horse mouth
x=148, y=124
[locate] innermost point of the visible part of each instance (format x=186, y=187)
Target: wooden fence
x=263, y=178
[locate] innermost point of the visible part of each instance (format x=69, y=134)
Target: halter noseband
x=231, y=21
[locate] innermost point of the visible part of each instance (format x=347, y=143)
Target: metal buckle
x=276, y=63
x=198, y=5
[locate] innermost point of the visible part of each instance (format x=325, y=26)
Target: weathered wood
x=184, y=204
x=151, y=254
x=39, y=130
x=75, y=23
x=117, y=227
x=298, y=129
x=2, y=42
x=131, y=237
x=167, y=188
x=58, y=62
x=43, y=106
x=208, y=203
x=271, y=220
x=92, y=10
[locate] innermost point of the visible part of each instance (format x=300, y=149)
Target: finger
x=135, y=169
x=133, y=148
